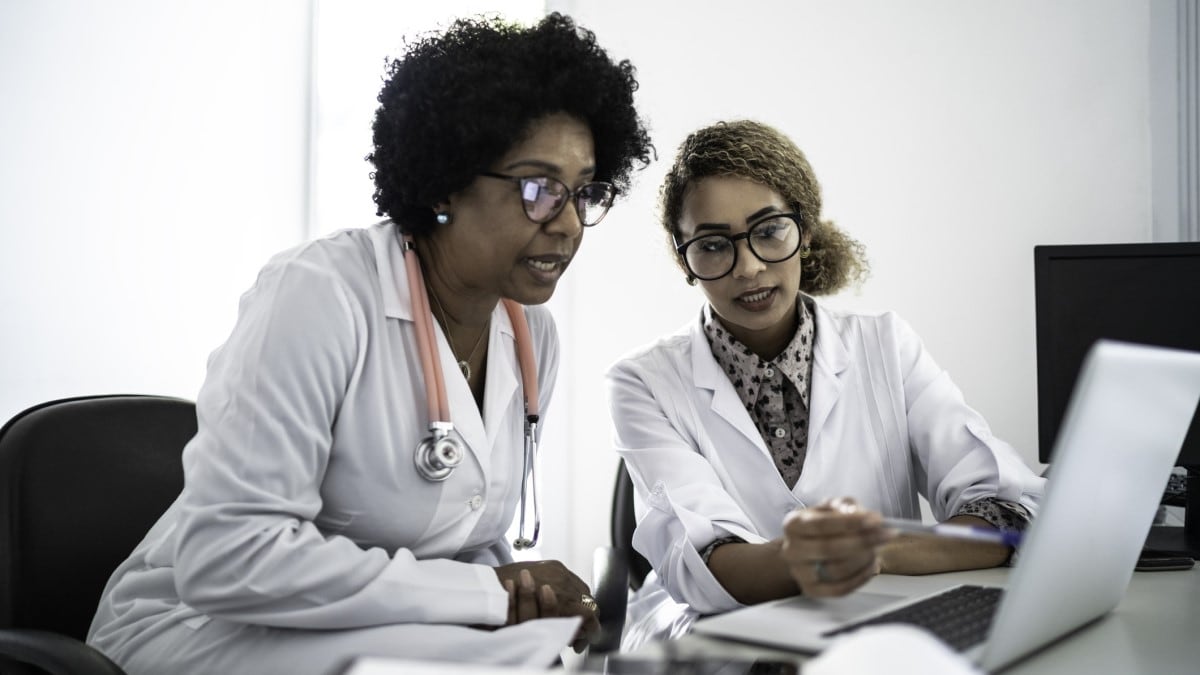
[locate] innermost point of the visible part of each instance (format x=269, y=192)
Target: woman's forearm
x=919, y=554
x=752, y=573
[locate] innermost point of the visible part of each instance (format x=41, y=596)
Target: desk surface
x=1155, y=628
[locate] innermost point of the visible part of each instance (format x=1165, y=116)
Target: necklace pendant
x=465, y=368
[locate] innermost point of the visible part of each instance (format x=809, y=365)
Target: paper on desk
x=386, y=666
x=895, y=649
x=536, y=644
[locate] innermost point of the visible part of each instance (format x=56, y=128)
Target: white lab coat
x=886, y=423
x=303, y=535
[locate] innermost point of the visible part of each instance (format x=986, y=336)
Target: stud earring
x=691, y=280
x=444, y=218
x=806, y=251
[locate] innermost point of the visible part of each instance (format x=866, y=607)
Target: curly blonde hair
x=761, y=153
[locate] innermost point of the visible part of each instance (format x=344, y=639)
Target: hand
x=546, y=588
x=833, y=548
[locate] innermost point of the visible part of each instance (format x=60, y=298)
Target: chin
x=536, y=296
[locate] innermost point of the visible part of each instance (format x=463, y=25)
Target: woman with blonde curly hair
x=768, y=437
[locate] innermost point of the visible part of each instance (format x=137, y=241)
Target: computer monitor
x=1143, y=293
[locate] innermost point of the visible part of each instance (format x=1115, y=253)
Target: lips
x=757, y=299
x=755, y=296
x=547, y=268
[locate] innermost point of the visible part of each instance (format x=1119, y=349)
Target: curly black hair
x=761, y=153
x=457, y=101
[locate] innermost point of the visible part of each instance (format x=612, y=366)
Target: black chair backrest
x=623, y=523
x=81, y=482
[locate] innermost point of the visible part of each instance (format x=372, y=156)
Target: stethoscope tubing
x=437, y=455
x=435, y=387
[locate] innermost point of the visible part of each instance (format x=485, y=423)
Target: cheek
x=714, y=291
x=795, y=270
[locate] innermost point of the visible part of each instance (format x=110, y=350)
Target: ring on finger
x=821, y=571
x=589, y=603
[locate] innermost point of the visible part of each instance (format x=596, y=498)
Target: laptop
x=1128, y=414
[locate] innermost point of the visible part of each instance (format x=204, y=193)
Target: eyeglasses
x=544, y=197
x=773, y=239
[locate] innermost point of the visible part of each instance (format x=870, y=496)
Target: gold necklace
x=463, y=364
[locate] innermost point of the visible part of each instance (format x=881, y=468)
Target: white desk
x=1155, y=628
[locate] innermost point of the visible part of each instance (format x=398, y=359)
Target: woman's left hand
x=547, y=588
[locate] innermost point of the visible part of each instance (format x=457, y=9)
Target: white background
x=153, y=155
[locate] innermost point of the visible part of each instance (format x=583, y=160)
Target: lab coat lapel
x=725, y=401
x=829, y=370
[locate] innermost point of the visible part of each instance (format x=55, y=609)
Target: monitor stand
x=1183, y=540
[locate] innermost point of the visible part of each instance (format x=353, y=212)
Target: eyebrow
x=749, y=219
x=546, y=166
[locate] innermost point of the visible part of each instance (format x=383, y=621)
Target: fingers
x=832, y=518
x=831, y=549
x=832, y=578
x=802, y=546
x=525, y=602
x=538, y=590
x=590, y=612
x=512, y=602
x=589, y=628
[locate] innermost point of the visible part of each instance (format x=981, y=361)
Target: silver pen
x=1006, y=537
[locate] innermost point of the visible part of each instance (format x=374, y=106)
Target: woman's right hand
x=833, y=548
x=546, y=588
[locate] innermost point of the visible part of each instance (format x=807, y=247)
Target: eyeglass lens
x=772, y=240
x=544, y=197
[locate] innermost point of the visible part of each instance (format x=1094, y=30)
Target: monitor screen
x=1144, y=293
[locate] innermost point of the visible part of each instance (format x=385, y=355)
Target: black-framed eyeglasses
x=772, y=239
x=544, y=197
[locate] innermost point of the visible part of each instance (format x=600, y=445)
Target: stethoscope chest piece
x=437, y=455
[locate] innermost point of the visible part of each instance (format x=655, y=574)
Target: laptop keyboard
x=961, y=616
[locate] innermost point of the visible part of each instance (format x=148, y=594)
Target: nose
x=567, y=223
x=747, y=265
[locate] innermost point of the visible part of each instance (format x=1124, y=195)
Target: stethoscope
x=437, y=454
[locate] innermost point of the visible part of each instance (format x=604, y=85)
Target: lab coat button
x=780, y=432
x=475, y=502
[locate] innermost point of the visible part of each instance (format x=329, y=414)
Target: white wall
x=950, y=137
x=154, y=155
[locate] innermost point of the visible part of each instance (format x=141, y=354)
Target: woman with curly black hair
x=767, y=437
x=367, y=431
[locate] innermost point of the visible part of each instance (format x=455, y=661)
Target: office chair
x=81, y=482
x=617, y=569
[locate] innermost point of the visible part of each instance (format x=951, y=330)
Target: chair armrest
x=610, y=584
x=55, y=653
